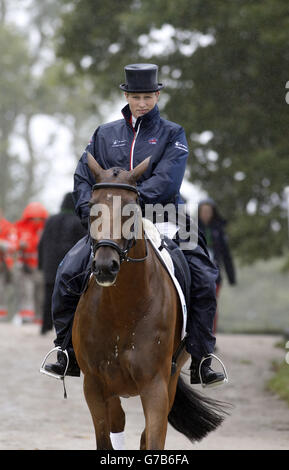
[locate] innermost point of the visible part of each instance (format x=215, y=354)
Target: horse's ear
x=94, y=167
x=136, y=173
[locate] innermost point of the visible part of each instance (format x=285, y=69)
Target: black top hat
x=141, y=78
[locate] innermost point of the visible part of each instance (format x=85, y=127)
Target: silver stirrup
x=226, y=379
x=55, y=376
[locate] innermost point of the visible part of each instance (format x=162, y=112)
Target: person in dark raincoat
x=62, y=231
x=213, y=226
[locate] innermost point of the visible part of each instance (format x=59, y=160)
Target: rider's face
x=141, y=103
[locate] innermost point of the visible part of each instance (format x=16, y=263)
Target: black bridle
x=128, y=187
x=122, y=252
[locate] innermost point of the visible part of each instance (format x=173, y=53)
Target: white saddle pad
x=154, y=235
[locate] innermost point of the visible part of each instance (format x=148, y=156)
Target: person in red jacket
x=7, y=249
x=29, y=229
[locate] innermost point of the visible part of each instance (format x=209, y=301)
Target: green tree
x=15, y=73
x=225, y=65
x=34, y=82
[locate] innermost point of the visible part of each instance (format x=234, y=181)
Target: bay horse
x=127, y=326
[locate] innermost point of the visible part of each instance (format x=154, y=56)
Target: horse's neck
x=133, y=267
x=139, y=249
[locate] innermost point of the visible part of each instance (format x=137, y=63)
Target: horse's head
x=112, y=228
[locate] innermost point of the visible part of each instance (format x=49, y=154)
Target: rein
x=123, y=252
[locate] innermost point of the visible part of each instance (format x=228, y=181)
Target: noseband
x=123, y=253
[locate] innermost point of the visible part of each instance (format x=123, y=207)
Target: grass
x=280, y=344
x=258, y=303
x=279, y=383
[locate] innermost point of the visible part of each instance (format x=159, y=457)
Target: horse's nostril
x=94, y=268
x=114, y=266
x=105, y=270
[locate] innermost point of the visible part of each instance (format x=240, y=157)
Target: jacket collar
x=147, y=119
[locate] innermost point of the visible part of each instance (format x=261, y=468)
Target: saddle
x=181, y=267
x=174, y=261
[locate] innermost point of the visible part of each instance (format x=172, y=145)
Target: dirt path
x=34, y=414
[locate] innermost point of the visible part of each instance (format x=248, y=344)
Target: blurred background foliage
x=225, y=67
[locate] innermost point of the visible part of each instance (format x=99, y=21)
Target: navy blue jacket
x=120, y=144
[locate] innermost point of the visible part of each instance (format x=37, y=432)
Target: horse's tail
x=193, y=414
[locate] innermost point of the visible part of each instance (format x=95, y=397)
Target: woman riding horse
x=124, y=335
x=125, y=143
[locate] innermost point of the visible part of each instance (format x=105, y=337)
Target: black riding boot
x=58, y=368
x=208, y=376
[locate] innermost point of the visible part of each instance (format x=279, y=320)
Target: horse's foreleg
x=117, y=423
x=171, y=394
x=155, y=402
x=99, y=412
x=172, y=388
